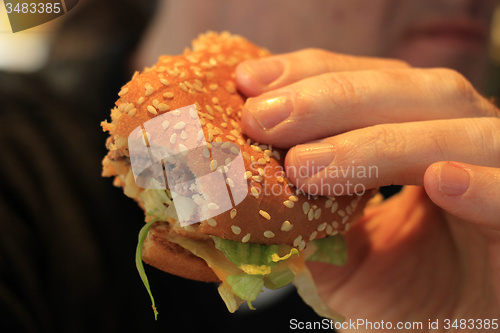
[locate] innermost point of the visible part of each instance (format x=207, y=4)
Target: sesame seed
x=213, y=165
x=152, y=110
x=334, y=232
x=302, y=245
x=129, y=107
x=256, y=148
x=229, y=181
x=236, y=230
x=229, y=111
x=212, y=61
x=206, y=153
x=123, y=91
x=305, y=207
x=313, y=235
x=213, y=206
x=183, y=149
x=347, y=226
x=246, y=155
x=262, y=161
x=235, y=150
x=348, y=210
x=257, y=178
x=149, y=89
x=334, y=207
x=183, y=87
x=344, y=219
x=276, y=154
x=297, y=240
x=293, y=198
x=164, y=81
x=163, y=107
x=268, y=234
x=328, y=203
x=132, y=112
x=280, y=179
x=201, y=135
x=265, y=214
x=173, y=138
x=189, y=85
x=198, y=106
x=198, y=88
x=165, y=124
x=180, y=125
x=209, y=109
x=176, y=112
x=255, y=192
x=317, y=213
x=286, y=226
x=335, y=224
x=246, y=238
x=329, y=229
x=267, y=158
x=140, y=100
x=230, y=137
x=184, y=135
x=322, y=226
x=310, y=214
x=248, y=174
x=341, y=213
x=236, y=133
x=289, y=203
x=211, y=222
x=354, y=204
x=193, y=113
x=213, y=86
x=228, y=161
x=218, y=108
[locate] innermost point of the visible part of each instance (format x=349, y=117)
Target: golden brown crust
x=157, y=251
x=274, y=211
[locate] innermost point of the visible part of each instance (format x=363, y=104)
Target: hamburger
x=270, y=228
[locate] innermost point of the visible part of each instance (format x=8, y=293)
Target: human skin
x=432, y=251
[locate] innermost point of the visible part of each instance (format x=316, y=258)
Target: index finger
x=255, y=77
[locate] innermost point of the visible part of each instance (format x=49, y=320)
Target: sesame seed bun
x=274, y=211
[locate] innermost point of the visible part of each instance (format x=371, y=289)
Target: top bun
x=274, y=211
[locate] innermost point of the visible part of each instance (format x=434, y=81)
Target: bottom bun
x=172, y=258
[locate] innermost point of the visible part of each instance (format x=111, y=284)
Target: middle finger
x=334, y=103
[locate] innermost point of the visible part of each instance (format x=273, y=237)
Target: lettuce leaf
x=246, y=286
x=253, y=259
x=154, y=201
x=138, y=262
x=332, y=250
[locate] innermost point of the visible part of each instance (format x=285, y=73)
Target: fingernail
x=313, y=157
x=265, y=71
x=453, y=180
x=269, y=112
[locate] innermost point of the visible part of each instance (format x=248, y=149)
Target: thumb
x=467, y=191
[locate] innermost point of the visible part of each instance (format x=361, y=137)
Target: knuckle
x=462, y=90
x=342, y=90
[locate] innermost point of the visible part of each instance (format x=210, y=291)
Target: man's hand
x=430, y=252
